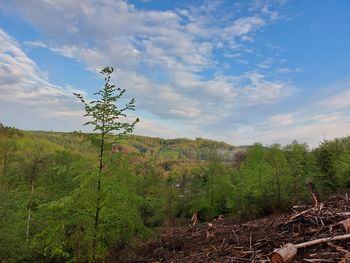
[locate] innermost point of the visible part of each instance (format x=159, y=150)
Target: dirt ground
x=254, y=241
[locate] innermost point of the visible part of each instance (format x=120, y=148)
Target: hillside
x=53, y=184
x=199, y=149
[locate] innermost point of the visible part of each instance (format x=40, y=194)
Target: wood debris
x=253, y=241
x=194, y=219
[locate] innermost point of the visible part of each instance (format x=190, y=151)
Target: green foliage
x=149, y=182
x=218, y=188
x=12, y=226
x=253, y=184
x=332, y=159
x=153, y=191
x=271, y=178
x=104, y=114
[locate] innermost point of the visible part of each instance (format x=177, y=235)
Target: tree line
x=48, y=191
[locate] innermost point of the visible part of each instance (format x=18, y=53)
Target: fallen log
x=289, y=251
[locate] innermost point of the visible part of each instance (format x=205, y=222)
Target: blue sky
x=236, y=71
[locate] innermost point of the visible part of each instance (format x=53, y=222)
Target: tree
x=253, y=190
x=332, y=159
x=296, y=156
x=34, y=154
x=105, y=116
x=219, y=187
x=280, y=172
x=8, y=145
x=327, y=156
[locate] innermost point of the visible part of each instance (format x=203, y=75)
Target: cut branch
x=313, y=192
x=322, y=240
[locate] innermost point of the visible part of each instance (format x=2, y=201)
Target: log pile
x=254, y=241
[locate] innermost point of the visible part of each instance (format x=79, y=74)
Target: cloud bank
x=176, y=63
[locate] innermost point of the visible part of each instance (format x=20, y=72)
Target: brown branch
x=322, y=240
x=313, y=192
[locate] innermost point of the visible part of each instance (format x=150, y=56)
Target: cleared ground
x=253, y=241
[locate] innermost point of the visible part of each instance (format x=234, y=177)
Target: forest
x=48, y=188
x=81, y=197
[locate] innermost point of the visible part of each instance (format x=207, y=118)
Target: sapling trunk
x=98, y=200
x=29, y=216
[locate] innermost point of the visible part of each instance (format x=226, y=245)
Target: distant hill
x=199, y=149
x=181, y=148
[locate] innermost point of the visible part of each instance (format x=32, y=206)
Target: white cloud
x=327, y=118
x=282, y=118
x=38, y=44
x=243, y=26
x=160, y=56
x=29, y=101
x=27, y=97
x=155, y=128
x=262, y=91
x=290, y=70
x=337, y=101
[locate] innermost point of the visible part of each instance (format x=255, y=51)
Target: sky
x=236, y=71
